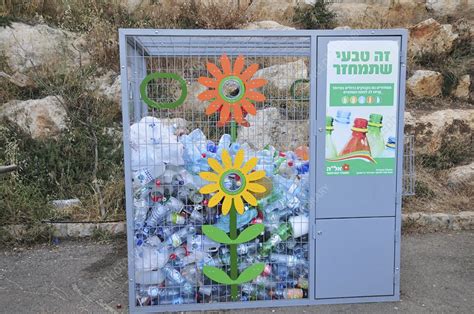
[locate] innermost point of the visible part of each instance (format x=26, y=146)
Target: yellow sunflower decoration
x=233, y=182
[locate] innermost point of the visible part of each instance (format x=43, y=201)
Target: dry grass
x=433, y=194
x=395, y=16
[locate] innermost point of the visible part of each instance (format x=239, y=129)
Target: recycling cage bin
x=262, y=168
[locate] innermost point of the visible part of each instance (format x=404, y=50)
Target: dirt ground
x=436, y=276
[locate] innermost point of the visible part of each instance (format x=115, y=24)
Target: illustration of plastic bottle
x=342, y=129
x=390, y=147
x=331, y=151
x=374, y=135
x=358, y=141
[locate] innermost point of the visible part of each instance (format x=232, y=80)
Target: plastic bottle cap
x=290, y=163
x=282, y=154
x=329, y=122
x=299, y=225
x=375, y=118
x=203, y=155
x=157, y=182
x=343, y=116
x=360, y=123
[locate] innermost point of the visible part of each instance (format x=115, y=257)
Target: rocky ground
x=436, y=277
x=60, y=105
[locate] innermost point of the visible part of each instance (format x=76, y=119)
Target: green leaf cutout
x=218, y=275
x=250, y=273
x=250, y=233
x=217, y=234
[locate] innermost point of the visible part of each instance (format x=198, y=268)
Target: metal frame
x=127, y=89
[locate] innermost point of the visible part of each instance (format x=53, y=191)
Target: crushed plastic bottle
x=169, y=211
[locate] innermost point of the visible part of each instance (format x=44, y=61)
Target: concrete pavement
x=437, y=276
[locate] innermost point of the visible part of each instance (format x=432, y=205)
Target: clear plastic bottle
x=191, y=273
x=150, y=258
x=198, y=242
x=374, y=135
x=175, y=278
x=149, y=277
x=247, y=248
x=174, y=204
x=287, y=169
x=289, y=293
x=157, y=214
x=242, y=220
x=141, y=177
x=272, y=219
x=179, y=237
x=140, y=208
x=175, y=218
x=281, y=234
x=196, y=216
x=288, y=260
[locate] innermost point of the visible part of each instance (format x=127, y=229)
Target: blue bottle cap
x=392, y=142
x=343, y=116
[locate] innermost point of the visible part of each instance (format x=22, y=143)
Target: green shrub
x=451, y=153
x=315, y=16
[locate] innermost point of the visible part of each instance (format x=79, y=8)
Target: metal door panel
x=354, y=257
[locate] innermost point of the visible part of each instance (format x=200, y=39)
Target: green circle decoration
x=241, y=89
x=163, y=105
x=225, y=174
x=293, y=90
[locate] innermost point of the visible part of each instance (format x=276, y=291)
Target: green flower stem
x=234, y=272
x=233, y=131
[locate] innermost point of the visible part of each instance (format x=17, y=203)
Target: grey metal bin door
x=347, y=196
x=355, y=257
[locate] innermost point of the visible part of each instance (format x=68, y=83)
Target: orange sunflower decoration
x=231, y=91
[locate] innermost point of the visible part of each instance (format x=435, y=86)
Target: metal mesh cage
x=224, y=203
x=174, y=145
